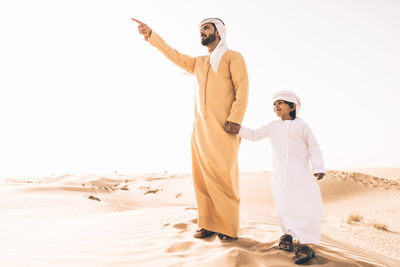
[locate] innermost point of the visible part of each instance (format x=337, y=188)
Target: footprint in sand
x=181, y=226
x=179, y=247
x=191, y=208
x=94, y=198
x=194, y=221
x=184, y=227
x=151, y=191
x=125, y=187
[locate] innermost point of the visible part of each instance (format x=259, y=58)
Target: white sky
x=82, y=92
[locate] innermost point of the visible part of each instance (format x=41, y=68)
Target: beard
x=211, y=38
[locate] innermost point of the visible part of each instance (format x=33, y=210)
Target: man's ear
x=217, y=33
x=294, y=107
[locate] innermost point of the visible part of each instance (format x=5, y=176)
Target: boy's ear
x=294, y=107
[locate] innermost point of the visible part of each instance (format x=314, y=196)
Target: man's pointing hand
x=143, y=29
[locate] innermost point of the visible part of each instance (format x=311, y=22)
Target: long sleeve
x=241, y=86
x=183, y=61
x=314, y=151
x=255, y=135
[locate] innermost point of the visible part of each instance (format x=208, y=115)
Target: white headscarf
x=221, y=48
x=290, y=97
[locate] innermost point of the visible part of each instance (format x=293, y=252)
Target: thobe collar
x=216, y=55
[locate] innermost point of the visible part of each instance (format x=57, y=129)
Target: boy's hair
x=293, y=112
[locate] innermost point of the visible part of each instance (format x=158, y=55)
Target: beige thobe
x=220, y=97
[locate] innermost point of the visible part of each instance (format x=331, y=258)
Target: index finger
x=136, y=20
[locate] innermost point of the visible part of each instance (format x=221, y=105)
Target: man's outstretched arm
x=183, y=61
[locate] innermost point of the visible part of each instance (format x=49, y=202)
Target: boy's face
x=283, y=110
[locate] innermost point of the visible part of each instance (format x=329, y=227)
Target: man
x=221, y=101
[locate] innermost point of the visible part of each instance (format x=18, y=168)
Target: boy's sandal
x=227, y=237
x=303, y=253
x=286, y=242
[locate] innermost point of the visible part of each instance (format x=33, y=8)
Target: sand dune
x=388, y=173
x=149, y=220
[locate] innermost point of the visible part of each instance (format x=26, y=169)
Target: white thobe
x=296, y=193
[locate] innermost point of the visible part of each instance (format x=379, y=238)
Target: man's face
x=207, y=34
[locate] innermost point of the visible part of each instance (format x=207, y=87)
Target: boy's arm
x=255, y=135
x=315, y=154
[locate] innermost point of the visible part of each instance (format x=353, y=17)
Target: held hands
x=319, y=175
x=143, y=29
x=231, y=127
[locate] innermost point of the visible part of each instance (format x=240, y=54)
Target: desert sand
x=149, y=220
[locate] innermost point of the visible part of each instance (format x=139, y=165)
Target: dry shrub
x=381, y=226
x=354, y=218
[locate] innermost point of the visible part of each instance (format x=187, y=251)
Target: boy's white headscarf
x=290, y=97
x=221, y=48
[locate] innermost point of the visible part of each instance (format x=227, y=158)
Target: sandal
x=303, y=253
x=202, y=233
x=227, y=237
x=286, y=242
